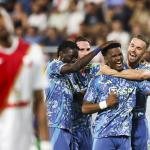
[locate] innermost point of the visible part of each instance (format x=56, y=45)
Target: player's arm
x=132, y=74
x=39, y=107
x=89, y=108
x=40, y=114
x=82, y=62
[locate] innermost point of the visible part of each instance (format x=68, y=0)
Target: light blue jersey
x=141, y=99
x=82, y=121
x=59, y=96
x=116, y=121
x=139, y=138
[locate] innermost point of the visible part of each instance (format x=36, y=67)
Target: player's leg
x=139, y=134
x=123, y=143
x=103, y=144
x=60, y=139
x=82, y=140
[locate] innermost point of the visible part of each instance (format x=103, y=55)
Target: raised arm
x=82, y=62
x=89, y=108
x=131, y=74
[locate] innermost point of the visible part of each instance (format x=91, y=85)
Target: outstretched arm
x=82, y=62
x=89, y=108
x=131, y=74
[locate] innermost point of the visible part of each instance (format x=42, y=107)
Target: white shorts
x=16, y=128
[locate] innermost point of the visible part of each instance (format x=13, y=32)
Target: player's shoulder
x=36, y=50
x=55, y=62
x=94, y=65
x=96, y=78
x=54, y=66
x=35, y=54
x=145, y=64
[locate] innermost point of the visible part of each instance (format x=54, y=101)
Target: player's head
x=83, y=45
x=67, y=51
x=113, y=56
x=6, y=25
x=136, y=49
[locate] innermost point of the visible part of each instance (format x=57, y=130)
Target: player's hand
x=112, y=100
x=109, y=44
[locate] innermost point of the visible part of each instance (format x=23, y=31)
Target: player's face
x=114, y=59
x=136, y=50
x=3, y=31
x=69, y=56
x=84, y=48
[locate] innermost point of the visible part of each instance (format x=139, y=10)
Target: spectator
x=32, y=35
x=75, y=18
x=38, y=17
x=94, y=19
x=19, y=16
x=117, y=33
x=52, y=37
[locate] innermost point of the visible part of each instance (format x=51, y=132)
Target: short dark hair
x=81, y=38
x=65, y=45
x=144, y=39
x=112, y=44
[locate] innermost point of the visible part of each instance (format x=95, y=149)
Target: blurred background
x=49, y=22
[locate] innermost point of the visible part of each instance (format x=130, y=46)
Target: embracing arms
x=131, y=74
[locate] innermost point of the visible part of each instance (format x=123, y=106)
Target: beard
x=4, y=36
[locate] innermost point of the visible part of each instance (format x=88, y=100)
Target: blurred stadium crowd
x=49, y=22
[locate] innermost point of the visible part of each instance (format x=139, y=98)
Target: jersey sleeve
x=54, y=67
x=144, y=86
x=145, y=65
x=95, y=68
x=38, y=76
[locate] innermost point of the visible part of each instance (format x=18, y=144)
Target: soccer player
x=136, y=50
x=113, y=125
x=82, y=122
x=146, y=57
x=59, y=94
x=21, y=90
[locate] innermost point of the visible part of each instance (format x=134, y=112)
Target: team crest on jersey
x=120, y=90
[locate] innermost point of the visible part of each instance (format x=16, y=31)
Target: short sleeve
x=144, y=86
x=145, y=65
x=54, y=67
x=39, y=78
x=95, y=68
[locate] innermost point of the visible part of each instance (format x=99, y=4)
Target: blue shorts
x=60, y=139
x=139, y=138
x=112, y=143
x=82, y=140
